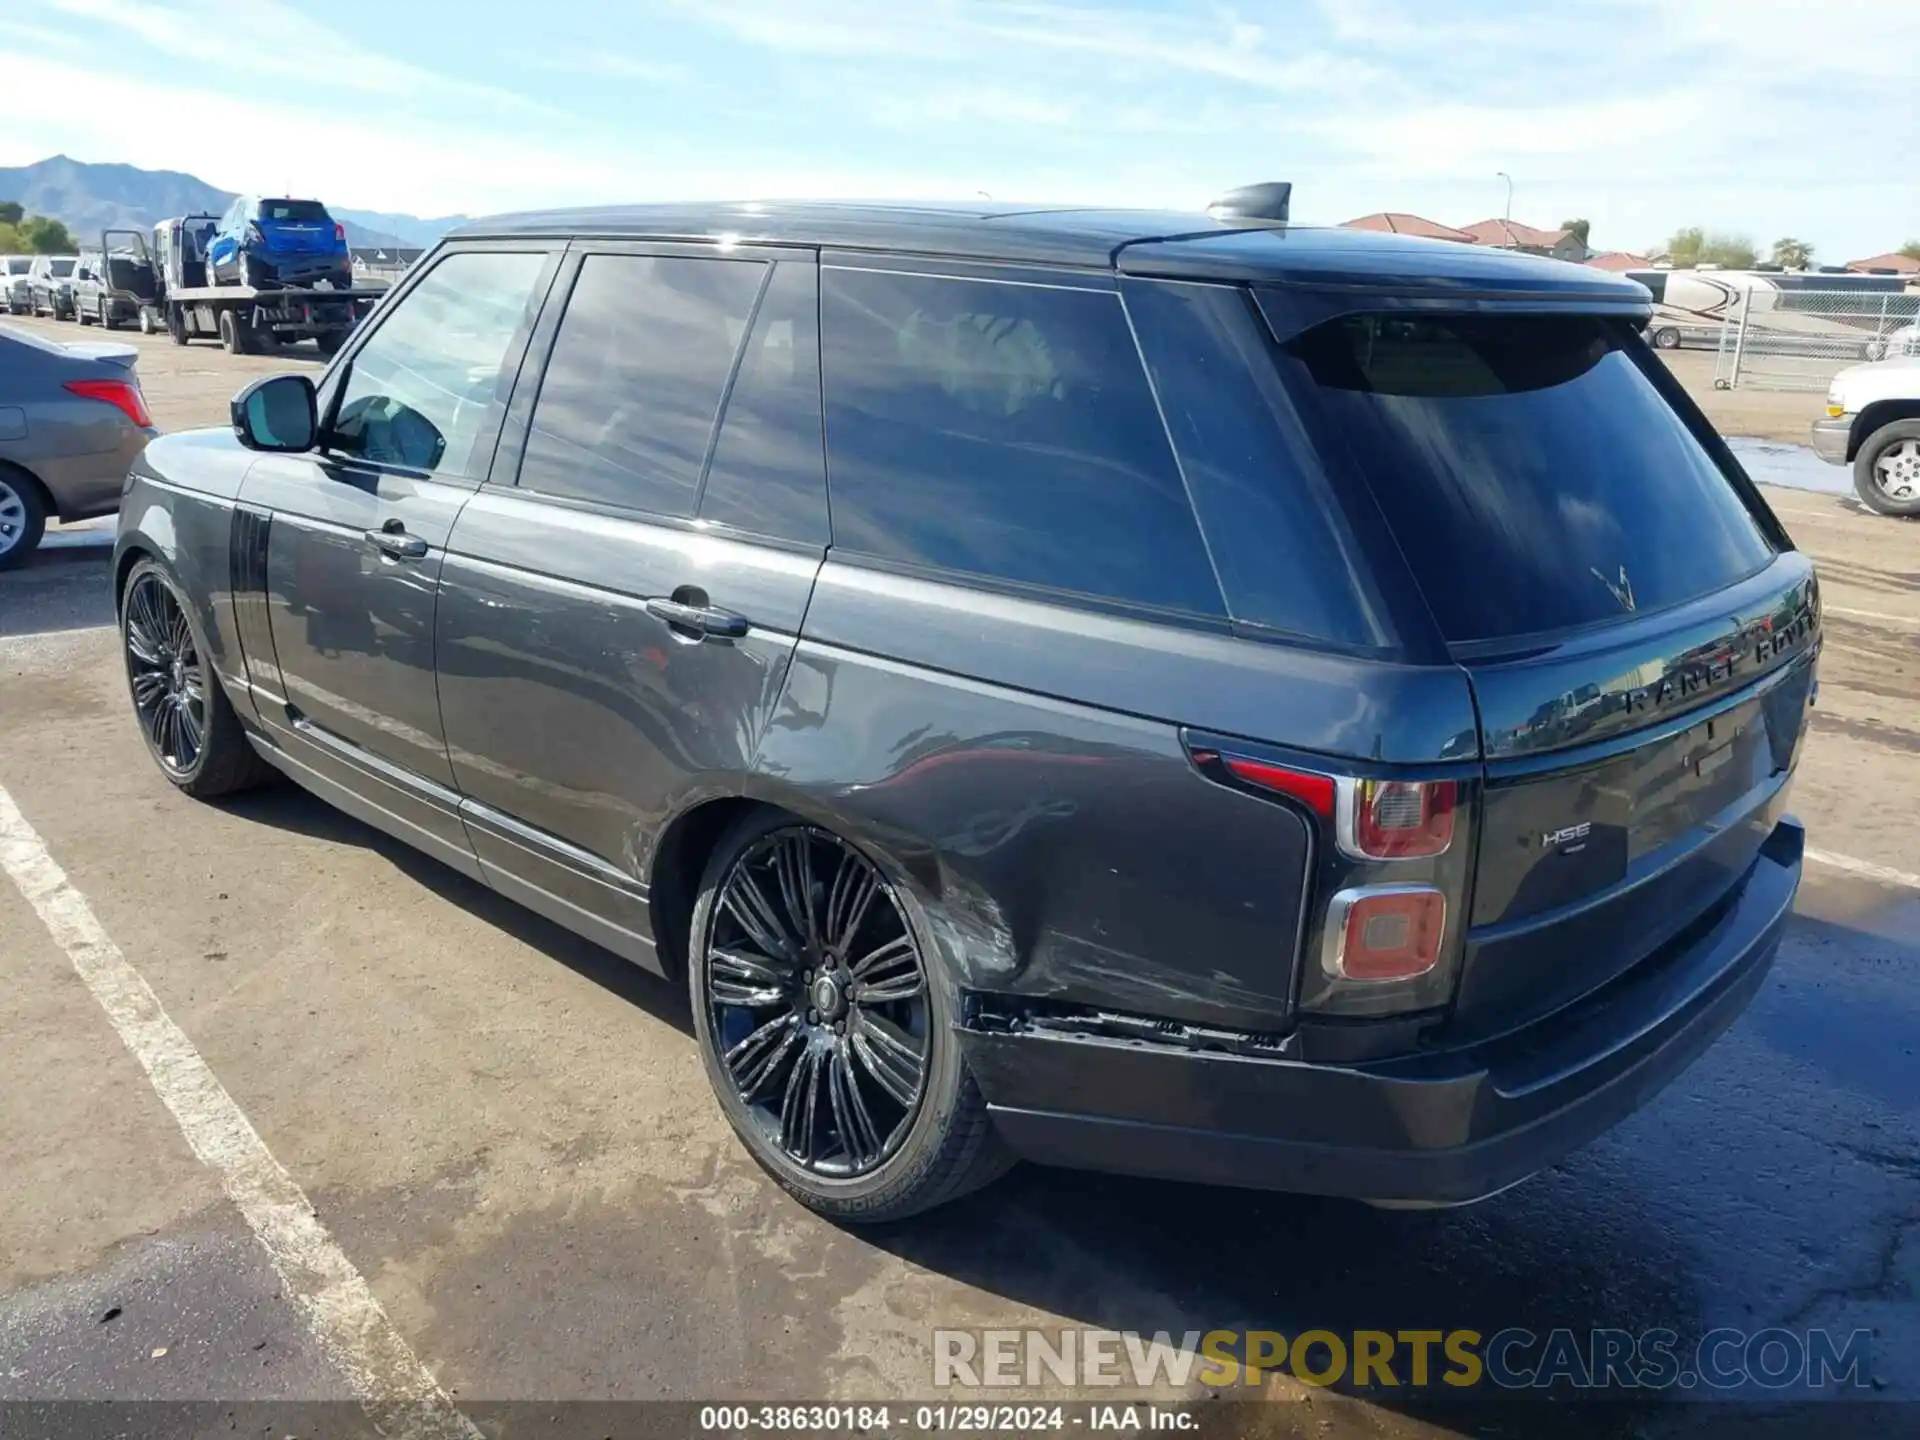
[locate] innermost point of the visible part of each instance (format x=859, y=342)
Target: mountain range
x=91, y=198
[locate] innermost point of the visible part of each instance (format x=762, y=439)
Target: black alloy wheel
x=164, y=671
x=817, y=1001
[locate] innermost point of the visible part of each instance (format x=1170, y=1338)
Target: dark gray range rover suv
x=1179, y=694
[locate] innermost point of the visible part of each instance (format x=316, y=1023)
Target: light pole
x=1508, y=217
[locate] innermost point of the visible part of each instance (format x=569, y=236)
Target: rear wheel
x=176, y=325
x=23, y=518
x=330, y=343
x=1666, y=338
x=237, y=336
x=827, y=1036
x=1886, y=472
x=183, y=713
x=146, y=320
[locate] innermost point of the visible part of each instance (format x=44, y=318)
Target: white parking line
x=1865, y=869
x=399, y=1393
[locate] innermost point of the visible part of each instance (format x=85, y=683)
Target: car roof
x=1173, y=243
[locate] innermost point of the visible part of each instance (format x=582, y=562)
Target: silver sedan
x=72, y=422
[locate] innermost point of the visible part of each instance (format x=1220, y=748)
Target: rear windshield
x=1534, y=477
x=293, y=210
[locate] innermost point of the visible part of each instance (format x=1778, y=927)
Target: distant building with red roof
x=1499, y=234
x=1395, y=222
x=1621, y=260
x=1894, y=261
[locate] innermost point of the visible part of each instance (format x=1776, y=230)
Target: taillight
x=1316, y=791
x=1384, y=932
x=339, y=233
x=123, y=395
x=1396, y=819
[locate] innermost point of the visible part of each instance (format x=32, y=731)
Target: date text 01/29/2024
x=934, y=1419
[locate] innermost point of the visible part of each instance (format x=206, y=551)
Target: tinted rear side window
x=1286, y=557
x=768, y=472
x=1006, y=431
x=628, y=401
x=1534, y=477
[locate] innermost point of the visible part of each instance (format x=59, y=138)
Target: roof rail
x=1266, y=201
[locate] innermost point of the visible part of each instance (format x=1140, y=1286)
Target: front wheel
x=1886, y=472
x=183, y=713
x=826, y=1031
x=1666, y=338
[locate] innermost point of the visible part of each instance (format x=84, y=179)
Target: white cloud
x=266, y=38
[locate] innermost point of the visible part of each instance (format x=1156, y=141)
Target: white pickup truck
x=1873, y=423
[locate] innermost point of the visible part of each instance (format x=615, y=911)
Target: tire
x=248, y=273
x=145, y=321
x=1886, y=472
x=176, y=325
x=81, y=316
x=165, y=657
x=1666, y=338
x=23, y=517
x=939, y=1143
x=236, y=337
x=330, y=343
x=106, y=316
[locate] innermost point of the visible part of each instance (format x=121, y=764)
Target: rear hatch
x=297, y=227
x=1638, y=632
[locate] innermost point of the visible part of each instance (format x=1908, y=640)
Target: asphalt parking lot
x=508, y=1136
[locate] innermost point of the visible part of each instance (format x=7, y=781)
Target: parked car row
x=41, y=285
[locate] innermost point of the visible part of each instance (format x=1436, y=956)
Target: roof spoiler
x=1266, y=201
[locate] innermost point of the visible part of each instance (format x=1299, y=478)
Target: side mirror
x=278, y=413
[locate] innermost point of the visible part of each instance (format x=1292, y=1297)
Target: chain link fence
x=1800, y=339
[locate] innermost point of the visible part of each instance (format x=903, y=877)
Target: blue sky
x=1750, y=115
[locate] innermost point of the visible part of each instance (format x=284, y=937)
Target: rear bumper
x=293, y=268
x=83, y=486
x=1830, y=439
x=1439, y=1129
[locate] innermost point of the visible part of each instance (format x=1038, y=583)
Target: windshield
x=60, y=268
x=1534, y=477
x=304, y=210
x=18, y=264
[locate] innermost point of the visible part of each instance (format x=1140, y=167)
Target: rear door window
x=1003, y=430
x=1534, y=477
x=768, y=471
x=629, y=398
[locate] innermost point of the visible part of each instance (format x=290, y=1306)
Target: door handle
x=397, y=544
x=702, y=620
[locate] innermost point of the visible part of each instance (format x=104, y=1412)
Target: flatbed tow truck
x=245, y=320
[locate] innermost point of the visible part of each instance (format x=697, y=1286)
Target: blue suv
x=271, y=243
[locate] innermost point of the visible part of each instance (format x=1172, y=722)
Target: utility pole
x=1508, y=217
